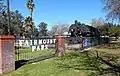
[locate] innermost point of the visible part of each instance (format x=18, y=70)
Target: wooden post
x=8, y=11
x=60, y=46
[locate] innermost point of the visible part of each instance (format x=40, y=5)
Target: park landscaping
x=102, y=60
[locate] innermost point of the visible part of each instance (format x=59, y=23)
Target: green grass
x=56, y=67
x=74, y=64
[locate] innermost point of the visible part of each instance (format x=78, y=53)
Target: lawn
x=99, y=61
x=55, y=67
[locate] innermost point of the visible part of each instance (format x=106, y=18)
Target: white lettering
x=44, y=41
x=46, y=46
x=30, y=42
x=51, y=41
x=26, y=43
x=33, y=48
x=48, y=41
x=38, y=48
x=35, y=42
x=21, y=42
x=42, y=47
x=54, y=40
x=40, y=42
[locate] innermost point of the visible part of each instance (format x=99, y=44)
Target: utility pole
x=8, y=11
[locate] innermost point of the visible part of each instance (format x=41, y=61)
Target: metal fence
x=40, y=48
x=85, y=42
x=27, y=49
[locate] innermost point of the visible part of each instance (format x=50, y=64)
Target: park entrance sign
x=36, y=44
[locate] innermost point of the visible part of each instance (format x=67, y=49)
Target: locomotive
x=79, y=30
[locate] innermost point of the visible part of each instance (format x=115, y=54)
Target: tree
x=2, y=6
x=3, y=19
x=97, y=23
x=94, y=22
x=16, y=21
x=59, y=28
x=43, y=29
x=28, y=27
x=112, y=8
x=30, y=6
x=111, y=30
x=36, y=32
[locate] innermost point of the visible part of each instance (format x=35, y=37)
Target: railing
x=26, y=52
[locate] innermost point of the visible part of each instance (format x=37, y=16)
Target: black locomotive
x=79, y=30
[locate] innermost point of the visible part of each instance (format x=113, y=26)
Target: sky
x=61, y=11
